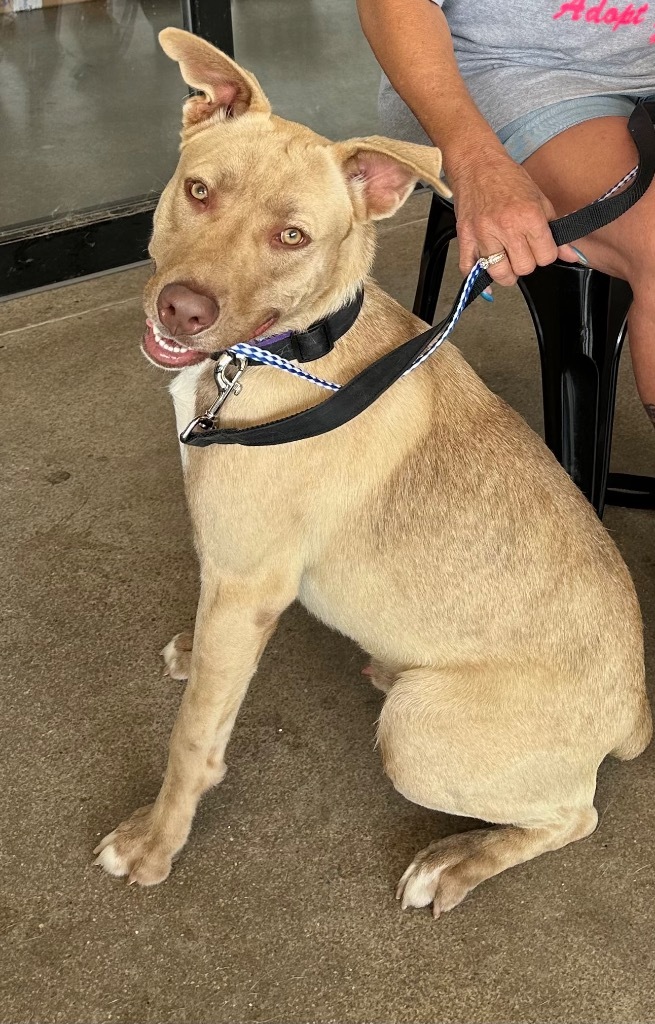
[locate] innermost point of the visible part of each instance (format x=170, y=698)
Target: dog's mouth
x=167, y=352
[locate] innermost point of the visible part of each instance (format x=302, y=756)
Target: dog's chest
x=183, y=391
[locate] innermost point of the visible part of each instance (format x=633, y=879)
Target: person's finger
x=545, y=251
x=520, y=255
x=468, y=248
x=568, y=253
x=540, y=239
x=502, y=272
x=571, y=254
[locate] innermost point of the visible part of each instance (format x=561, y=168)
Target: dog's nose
x=183, y=311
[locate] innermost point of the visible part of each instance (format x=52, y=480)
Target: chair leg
x=579, y=316
x=630, y=490
x=441, y=230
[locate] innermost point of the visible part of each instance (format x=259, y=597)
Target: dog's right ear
x=226, y=88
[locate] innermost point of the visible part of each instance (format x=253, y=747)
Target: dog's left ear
x=224, y=85
x=383, y=172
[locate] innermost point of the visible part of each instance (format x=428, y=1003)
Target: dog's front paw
x=134, y=849
x=177, y=656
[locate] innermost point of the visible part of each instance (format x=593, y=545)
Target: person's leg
x=579, y=165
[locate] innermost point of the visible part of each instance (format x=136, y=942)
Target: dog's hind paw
x=177, y=656
x=443, y=874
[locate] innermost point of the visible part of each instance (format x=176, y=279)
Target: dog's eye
x=292, y=236
x=198, y=190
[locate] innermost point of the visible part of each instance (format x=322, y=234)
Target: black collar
x=317, y=340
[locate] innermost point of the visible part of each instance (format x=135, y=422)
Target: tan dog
x=435, y=529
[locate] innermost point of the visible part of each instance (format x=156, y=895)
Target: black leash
x=356, y=396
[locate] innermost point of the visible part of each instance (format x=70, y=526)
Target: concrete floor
x=86, y=85
x=281, y=908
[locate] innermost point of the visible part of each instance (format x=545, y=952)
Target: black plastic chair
x=579, y=315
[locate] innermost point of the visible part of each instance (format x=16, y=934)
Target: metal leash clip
x=226, y=384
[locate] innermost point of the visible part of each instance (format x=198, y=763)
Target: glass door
x=89, y=116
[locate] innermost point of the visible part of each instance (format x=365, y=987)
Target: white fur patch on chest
x=183, y=390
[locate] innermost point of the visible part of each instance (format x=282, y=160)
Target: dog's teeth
x=170, y=346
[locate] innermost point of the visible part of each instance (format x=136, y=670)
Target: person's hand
x=499, y=209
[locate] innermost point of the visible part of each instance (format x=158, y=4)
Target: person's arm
x=498, y=205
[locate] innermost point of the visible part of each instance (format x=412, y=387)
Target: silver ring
x=490, y=261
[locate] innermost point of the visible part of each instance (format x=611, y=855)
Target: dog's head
x=265, y=226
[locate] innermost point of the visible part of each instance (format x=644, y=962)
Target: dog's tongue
x=168, y=353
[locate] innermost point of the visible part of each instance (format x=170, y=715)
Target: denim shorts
x=526, y=134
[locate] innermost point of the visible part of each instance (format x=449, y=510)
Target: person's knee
x=640, y=278
x=626, y=247
x=635, y=248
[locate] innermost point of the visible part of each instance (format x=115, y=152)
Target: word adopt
x=602, y=15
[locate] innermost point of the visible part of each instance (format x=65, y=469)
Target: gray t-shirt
x=517, y=57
